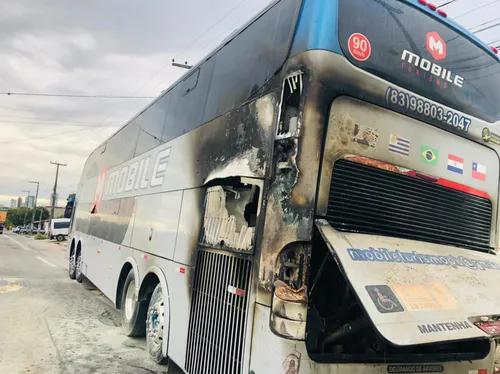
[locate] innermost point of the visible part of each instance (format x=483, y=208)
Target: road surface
x=51, y=324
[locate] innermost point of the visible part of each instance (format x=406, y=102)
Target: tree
x=22, y=216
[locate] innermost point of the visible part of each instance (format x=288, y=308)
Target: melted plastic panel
x=230, y=215
x=340, y=331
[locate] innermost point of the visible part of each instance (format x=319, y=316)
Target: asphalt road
x=51, y=324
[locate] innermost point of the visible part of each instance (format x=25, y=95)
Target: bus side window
x=187, y=102
x=121, y=146
x=152, y=125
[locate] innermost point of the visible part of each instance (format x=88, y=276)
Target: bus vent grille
x=217, y=323
x=373, y=201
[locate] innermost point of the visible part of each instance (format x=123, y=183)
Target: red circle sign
x=360, y=47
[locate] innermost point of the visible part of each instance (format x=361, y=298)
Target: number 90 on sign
x=359, y=47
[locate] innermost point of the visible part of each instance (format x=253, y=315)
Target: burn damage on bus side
x=290, y=193
x=318, y=305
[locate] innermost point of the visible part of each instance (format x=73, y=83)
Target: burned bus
x=318, y=195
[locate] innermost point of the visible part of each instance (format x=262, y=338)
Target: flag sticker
x=399, y=145
x=478, y=171
x=455, y=164
x=429, y=155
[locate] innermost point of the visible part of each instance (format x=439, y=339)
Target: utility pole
x=34, y=208
x=55, y=190
x=27, y=201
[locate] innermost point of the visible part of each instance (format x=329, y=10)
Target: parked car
x=59, y=229
x=24, y=230
x=16, y=229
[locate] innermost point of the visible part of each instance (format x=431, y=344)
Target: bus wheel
x=72, y=264
x=78, y=266
x=60, y=238
x=133, y=312
x=155, y=325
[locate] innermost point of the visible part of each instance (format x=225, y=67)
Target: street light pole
x=55, y=189
x=27, y=202
x=34, y=208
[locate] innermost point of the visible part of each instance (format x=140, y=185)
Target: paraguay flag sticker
x=478, y=171
x=455, y=164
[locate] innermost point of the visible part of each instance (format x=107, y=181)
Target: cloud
x=97, y=47
x=92, y=47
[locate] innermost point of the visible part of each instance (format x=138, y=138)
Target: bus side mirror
x=289, y=311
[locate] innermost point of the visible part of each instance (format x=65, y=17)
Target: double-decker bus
x=318, y=195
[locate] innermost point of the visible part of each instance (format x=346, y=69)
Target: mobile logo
x=436, y=46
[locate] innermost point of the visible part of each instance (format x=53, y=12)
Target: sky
x=114, y=48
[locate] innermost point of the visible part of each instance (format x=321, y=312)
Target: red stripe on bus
x=415, y=174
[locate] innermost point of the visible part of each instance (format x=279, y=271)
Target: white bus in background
x=307, y=200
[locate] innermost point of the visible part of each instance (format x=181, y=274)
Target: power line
x=484, y=23
x=473, y=10
x=178, y=54
x=75, y=96
x=445, y=4
x=45, y=119
x=487, y=28
x=217, y=37
x=37, y=120
x=44, y=136
x=190, y=45
x=60, y=124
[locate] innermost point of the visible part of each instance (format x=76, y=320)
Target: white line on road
x=19, y=244
x=44, y=260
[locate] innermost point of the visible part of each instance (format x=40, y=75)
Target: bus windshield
x=423, y=54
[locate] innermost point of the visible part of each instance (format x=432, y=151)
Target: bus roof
x=322, y=14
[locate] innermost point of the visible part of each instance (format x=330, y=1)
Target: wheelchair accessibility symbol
x=384, y=299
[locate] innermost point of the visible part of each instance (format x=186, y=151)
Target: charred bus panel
x=232, y=190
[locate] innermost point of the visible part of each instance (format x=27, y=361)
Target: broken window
x=292, y=92
x=230, y=216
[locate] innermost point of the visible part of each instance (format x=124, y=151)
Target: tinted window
x=153, y=117
x=250, y=59
x=121, y=146
x=146, y=142
x=393, y=26
x=61, y=225
x=187, y=102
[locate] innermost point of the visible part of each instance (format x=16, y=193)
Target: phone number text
x=416, y=105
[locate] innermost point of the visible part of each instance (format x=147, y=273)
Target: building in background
x=58, y=211
x=29, y=201
x=19, y=202
x=13, y=203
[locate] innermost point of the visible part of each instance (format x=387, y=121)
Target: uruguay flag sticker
x=455, y=164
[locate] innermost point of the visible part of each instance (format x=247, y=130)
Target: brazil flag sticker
x=429, y=155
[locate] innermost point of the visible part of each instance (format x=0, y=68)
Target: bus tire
x=78, y=266
x=60, y=238
x=133, y=311
x=155, y=325
x=72, y=264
